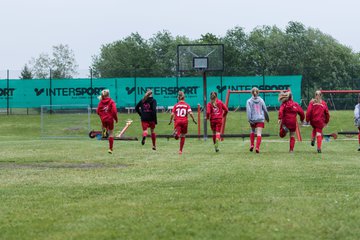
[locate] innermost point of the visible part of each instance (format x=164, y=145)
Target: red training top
x=216, y=113
x=288, y=112
x=317, y=114
x=181, y=111
x=107, y=110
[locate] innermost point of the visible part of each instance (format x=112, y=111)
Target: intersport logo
x=65, y=92
x=163, y=90
x=7, y=92
x=249, y=87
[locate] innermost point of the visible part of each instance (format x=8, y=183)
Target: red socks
x=258, y=142
x=218, y=136
x=182, y=142
x=292, y=143
x=153, y=139
x=111, y=143
x=359, y=137
x=319, y=141
x=252, y=139
x=313, y=134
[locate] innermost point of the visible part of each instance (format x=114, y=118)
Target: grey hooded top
x=357, y=115
x=256, y=110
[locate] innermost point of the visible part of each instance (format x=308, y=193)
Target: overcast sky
x=31, y=27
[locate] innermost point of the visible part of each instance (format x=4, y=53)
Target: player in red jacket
x=216, y=111
x=287, y=117
x=180, y=114
x=317, y=114
x=108, y=114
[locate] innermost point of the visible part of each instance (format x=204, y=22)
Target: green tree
x=26, y=73
x=61, y=65
x=164, y=47
x=41, y=66
x=235, y=43
x=209, y=38
x=63, y=62
x=131, y=56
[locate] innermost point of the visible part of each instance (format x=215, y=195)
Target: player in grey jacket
x=357, y=118
x=257, y=114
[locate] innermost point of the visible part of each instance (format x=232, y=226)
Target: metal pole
x=204, y=107
x=135, y=91
x=264, y=84
x=7, y=97
x=50, y=90
x=91, y=85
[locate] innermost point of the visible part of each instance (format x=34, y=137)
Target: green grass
x=73, y=189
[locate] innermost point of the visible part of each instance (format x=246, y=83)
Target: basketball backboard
x=203, y=57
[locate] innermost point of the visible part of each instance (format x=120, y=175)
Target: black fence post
x=8, y=95
x=91, y=86
x=50, y=90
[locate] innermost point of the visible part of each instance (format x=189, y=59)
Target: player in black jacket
x=146, y=108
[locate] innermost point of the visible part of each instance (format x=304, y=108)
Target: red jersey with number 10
x=181, y=111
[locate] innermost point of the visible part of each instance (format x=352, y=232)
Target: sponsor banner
x=127, y=92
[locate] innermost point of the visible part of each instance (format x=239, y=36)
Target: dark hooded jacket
x=147, y=110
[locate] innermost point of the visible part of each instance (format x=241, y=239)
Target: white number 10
x=181, y=112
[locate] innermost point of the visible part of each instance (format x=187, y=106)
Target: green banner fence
x=126, y=92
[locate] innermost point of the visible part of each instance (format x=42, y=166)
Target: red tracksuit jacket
x=107, y=110
x=317, y=114
x=288, y=112
x=216, y=113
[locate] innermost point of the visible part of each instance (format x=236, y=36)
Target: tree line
x=266, y=50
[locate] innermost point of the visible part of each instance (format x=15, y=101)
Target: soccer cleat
x=359, y=149
x=283, y=131
x=319, y=150
x=143, y=140
x=180, y=152
x=154, y=148
x=257, y=150
x=110, y=151
x=104, y=133
x=313, y=142
x=216, y=145
x=291, y=151
x=251, y=148
x=175, y=135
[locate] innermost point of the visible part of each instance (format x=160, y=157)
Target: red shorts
x=146, y=125
x=318, y=130
x=108, y=124
x=257, y=125
x=216, y=125
x=317, y=125
x=181, y=127
x=290, y=125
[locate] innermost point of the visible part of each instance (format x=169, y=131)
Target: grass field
x=73, y=189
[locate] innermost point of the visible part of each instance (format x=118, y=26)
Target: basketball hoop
x=200, y=63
